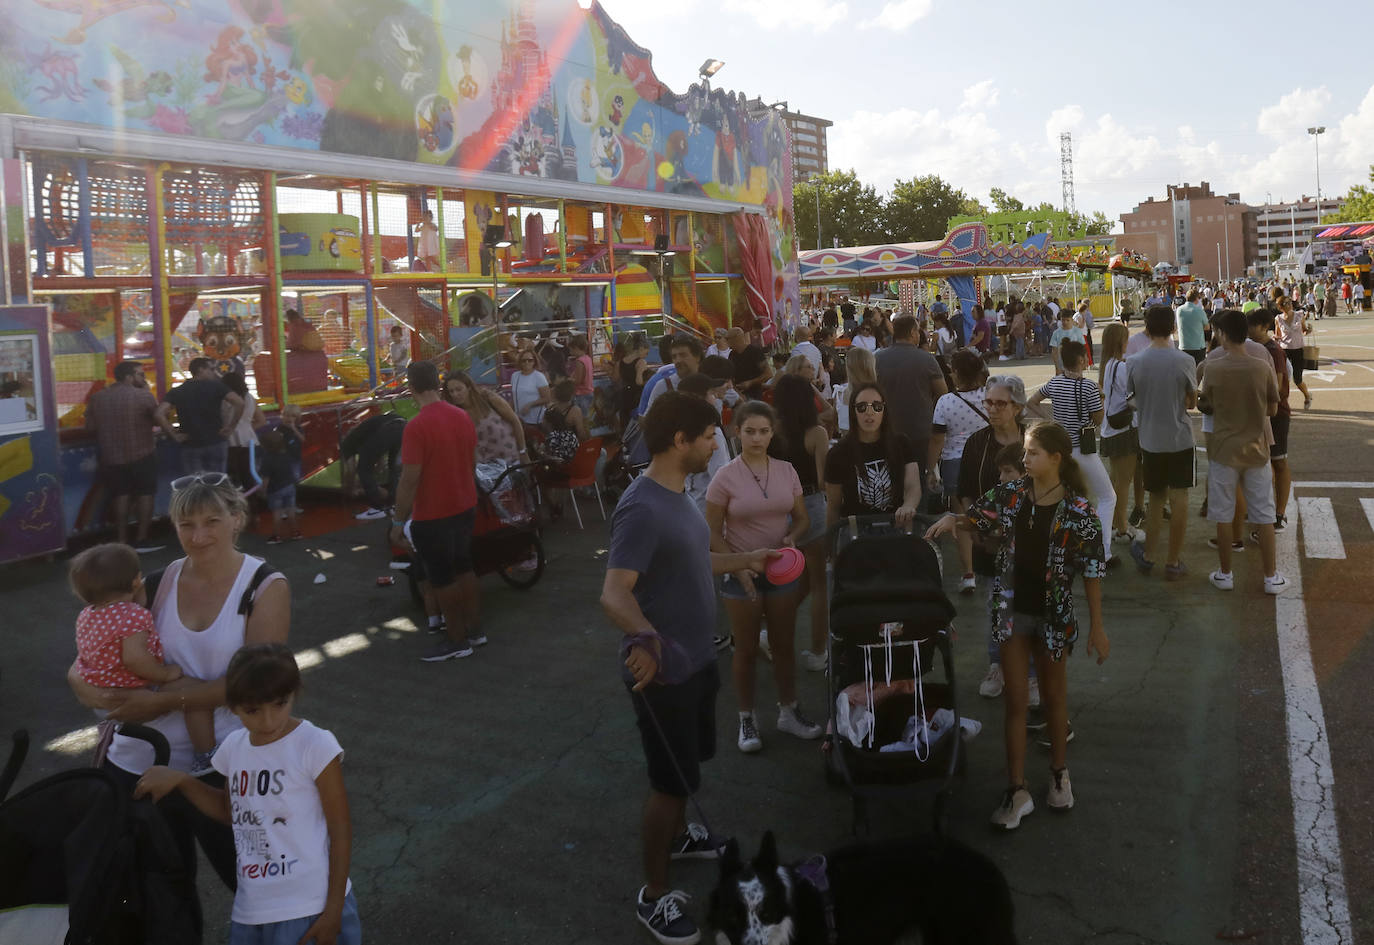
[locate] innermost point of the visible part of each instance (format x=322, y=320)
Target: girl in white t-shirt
x=286, y=802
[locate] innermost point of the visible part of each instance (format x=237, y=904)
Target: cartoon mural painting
x=525, y=88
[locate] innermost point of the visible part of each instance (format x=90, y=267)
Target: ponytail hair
x=1054, y=439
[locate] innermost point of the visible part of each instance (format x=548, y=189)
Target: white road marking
x=1321, y=537
x=1368, y=506
x=1326, y=376
x=1323, y=910
x=1333, y=485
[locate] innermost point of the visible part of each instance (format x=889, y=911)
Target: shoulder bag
x=1122, y=418
x=1087, y=434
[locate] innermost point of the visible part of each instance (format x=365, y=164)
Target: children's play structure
x=176, y=177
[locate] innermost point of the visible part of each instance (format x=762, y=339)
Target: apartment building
x=1213, y=236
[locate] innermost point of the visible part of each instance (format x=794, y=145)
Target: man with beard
x=659, y=591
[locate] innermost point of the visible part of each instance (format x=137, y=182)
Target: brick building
x=1195, y=230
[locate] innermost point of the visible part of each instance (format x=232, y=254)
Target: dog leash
x=682, y=778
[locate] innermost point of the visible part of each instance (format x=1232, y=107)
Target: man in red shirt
x=438, y=494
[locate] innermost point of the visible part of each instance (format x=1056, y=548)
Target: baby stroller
x=82, y=862
x=889, y=619
x=505, y=530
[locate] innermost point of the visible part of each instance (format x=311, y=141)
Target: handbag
x=1122, y=418
x=1087, y=435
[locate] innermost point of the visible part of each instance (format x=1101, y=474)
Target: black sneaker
x=446, y=649
x=1137, y=517
x=722, y=640
x=665, y=920
x=696, y=844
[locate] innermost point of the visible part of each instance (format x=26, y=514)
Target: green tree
x=1003, y=202
x=920, y=209
x=1359, y=204
x=850, y=211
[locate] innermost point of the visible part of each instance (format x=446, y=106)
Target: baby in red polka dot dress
x=116, y=640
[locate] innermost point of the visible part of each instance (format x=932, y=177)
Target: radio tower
x=1066, y=170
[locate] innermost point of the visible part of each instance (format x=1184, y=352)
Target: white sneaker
x=1226, y=581
x=992, y=685
x=370, y=515
x=749, y=740
x=765, y=650
x=1016, y=803
x=1003, y=357
x=791, y=721
x=968, y=584
x=1033, y=694
x=1275, y=584
x=814, y=662
x=1060, y=796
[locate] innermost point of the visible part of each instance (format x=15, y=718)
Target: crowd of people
x=745, y=452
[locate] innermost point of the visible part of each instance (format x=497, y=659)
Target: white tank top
x=204, y=654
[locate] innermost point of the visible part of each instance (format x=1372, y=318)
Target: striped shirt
x=1075, y=400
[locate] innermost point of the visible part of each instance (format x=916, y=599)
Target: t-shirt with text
x=281, y=840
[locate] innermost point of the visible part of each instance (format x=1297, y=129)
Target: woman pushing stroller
x=1050, y=533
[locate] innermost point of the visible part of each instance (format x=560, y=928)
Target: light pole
x=816, y=187
x=1316, y=132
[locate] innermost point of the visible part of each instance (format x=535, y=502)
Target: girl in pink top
x=117, y=644
x=755, y=501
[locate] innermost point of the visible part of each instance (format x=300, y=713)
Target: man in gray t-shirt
x=912, y=381
x=660, y=593
x=1164, y=384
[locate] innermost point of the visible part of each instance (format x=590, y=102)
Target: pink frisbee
x=788, y=568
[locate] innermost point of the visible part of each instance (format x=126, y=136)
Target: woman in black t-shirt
x=874, y=469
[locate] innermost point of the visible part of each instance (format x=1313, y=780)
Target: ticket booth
x=31, y=520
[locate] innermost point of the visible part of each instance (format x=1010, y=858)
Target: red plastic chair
x=578, y=472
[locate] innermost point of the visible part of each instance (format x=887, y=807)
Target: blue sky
x=977, y=92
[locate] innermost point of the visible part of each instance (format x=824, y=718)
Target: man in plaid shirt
x=122, y=418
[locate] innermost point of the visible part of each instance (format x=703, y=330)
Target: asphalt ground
x=496, y=799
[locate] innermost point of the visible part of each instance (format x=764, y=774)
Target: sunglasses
x=527, y=360
x=209, y=478
x=996, y=403
x=877, y=405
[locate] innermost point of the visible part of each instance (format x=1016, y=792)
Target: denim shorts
x=732, y=589
x=815, y=512
x=289, y=931
x=282, y=500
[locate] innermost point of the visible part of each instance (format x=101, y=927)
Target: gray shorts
x=1256, y=482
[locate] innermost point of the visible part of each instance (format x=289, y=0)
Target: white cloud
x=1294, y=113
x=980, y=96
x=815, y=15
x=898, y=14
x=963, y=148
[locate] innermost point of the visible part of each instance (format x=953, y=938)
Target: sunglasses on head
x=209, y=478
x=877, y=405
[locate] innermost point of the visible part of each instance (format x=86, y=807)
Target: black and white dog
x=866, y=894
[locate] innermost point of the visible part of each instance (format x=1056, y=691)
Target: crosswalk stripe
x=1368, y=505
x=1321, y=538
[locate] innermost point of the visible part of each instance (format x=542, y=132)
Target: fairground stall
x=963, y=259
x=1343, y=251
x=177, y=177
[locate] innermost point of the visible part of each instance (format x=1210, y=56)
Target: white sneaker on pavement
x=791, y=721
x=1226, y=581
x=992, y=685
x=1275, y=584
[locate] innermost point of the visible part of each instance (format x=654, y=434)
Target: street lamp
x=662, y=251
x=495, y=238
x=1316, y=133
x=709, y=68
